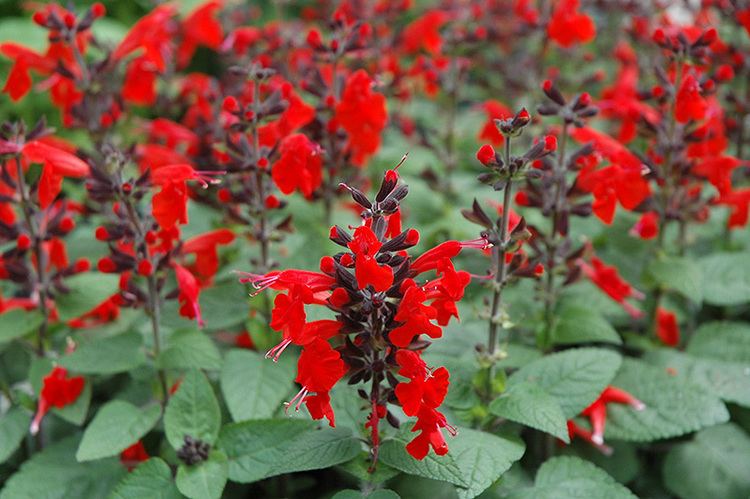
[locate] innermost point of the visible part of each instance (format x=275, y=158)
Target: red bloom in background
x=140, y=82
x=200, y=28
x=134, y=455
x=739, y=203
x=718, y=170
x=361, y=112
x=58, y=390
x=608, y=279
x=299, y=166
x=690, y=104
x=152, y=33
x=204, y=247
x=19, y=80
x=666, y=327
x=189, y=293
x=424, y=33
x=318, y=369
x=169, y=205
x=495, y=110
x=597, y=411
x=568, y=26
x=647, y=227
x=365, y=247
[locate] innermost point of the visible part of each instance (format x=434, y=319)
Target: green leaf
x=190, y=349
x=86, y=291
x=728, y=281
x=714, y=464
x=254, y=387
x=678, y=274
x=356, y=494
x=574, y=377
x=482, y=458
x=359, y=467
x=205, y=480
x=581, y=324
x=106, y=355
x=192, y=411
x=674, y=407
x=729, y=380
x=55, y=473
x=150, y=480
x=729, y=341
x=14, y=426
x=17, y=322
x=116, y=426
x=224, y=305
x=444, y=468
x=572, y=478
x=264, y=448
x=529, y=404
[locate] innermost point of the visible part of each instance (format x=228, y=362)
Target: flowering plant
x=214, y=282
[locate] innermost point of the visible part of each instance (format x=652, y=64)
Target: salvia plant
x=375, y=248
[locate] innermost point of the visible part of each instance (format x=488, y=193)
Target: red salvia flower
x=568, y=26
x=495, y=110
x=690, y=104
x=667, y=329
x=204, y=247
x=189, y=293
x=647, y=227
x=361, y=112
x=739, y=203
x=152, y=33
x=57, y=164
x=365, y=247
x=424, y=33
x=597, y=411
x=58, y=390
x=134, y=455
x=299, y=166
x=200, y=28
x=608, y=279
x=169, y=205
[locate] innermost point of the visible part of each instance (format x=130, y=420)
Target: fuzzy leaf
x=574, y=377
x=264, y=448
x=581, y=324
x=728, y=281
x=714, y=464
x=152, y=479
x=106, y=355
x=192, y=411
x=572, y=478
x=14, y=426
x=674, y=407
x=87, y=290
x=190, y=349
x=254, y=387
x=204, y=480
x=116, y=426
x=728, y=341
x=531, y=405
x=17, y=322
x=678, y=274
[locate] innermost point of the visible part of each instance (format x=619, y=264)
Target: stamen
x=299, y=398
x=403, y=158
x=276, y=351
x=480, y=243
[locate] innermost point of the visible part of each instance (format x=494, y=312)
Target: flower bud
x=486, y=154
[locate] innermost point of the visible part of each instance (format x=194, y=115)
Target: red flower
x=424, y=33
x=597, y=411
x=666, y=327
x=19, y=80
x=608, y=279
x=611, y=184
x=647, y=226
x=133, y=455
x=169, y=205
x=415, y=317
x=153, y=33
x=57, y=391
x=446, y=291
x=189, y=292
x=57, y=164
x=430, y=259
x=140, y=82
x=299, y=165
x=690, y=105
x=365, y=247
x=739, y=202
x=361, y=112
x=495, y=110
x=200, y=27
x=568, y=26
x=420, y=397
x=718, y=170
x=486, y=154
x=318, y=369
x=204, y=247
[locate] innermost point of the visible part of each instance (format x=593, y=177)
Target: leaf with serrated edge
x=574, y=377
x=580, y=324
x=673, y=407
x=531, y=405
x=714, y=464
x=268, y=447
x=444, y=468
x=482, y=458
x=205, y=480
x=152, y=479
x=116, y=426
x=192, y=411
x=570, y=477
x=190, y=349
x=254, y=387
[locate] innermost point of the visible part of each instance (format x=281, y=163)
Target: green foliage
x=190, y=349
x=728, y=281
x=150, y=480
x=116, y=426
x=14, y=425
x=205, y=479
x=527, y=403
x=581, y=324
x=106, y=355
x=192, y=411
x=85, y=291
x=679, y=274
